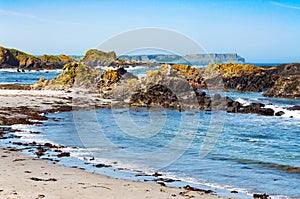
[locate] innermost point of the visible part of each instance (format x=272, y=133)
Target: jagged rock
x=286, y=87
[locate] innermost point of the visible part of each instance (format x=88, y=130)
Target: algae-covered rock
x=53, y=58
x=230, y=69
x=12, y=58
x=94, y=57
x=79, y=76
x=75, y=75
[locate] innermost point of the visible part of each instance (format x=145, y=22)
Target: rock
x=257, y=105
x=260, y=196
x=12, y=58
x=279, y=113
x=94, y=57
x=249, y=78
x=256, y=108
x=266, y=111
x=7, y=59
x=285, y=87
x=63, y=154
x=294, y=108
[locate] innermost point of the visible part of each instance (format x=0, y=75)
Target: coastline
x=20, y=173
x=30, y=107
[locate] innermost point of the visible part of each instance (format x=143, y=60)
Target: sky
x=261, y=31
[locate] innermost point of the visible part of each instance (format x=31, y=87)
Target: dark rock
x=63, y=154
x=279, y=113
x=101, y=165
x=189, y=188
x=257, y=105
x=260, y=196
x=294, y=108
x=156, y=174
x=285, y=87
x=266, y=111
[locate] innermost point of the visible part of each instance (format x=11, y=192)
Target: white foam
x=242, y=101
x=287, y=113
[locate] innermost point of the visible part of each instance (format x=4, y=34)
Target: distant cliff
x=198, y=59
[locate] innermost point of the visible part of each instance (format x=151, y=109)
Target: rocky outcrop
x=166, y=88
x=77, y=75
x=94, y=57
x=12, y=58
x=73, y=75
x=195, y=59
x=249, y=78
x=285, y=87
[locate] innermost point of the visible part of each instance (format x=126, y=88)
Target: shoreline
x=21, y=173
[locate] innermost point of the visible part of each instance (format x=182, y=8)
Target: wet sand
x=25, y=177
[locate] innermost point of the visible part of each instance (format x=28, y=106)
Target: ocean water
x=11, y=76
x=215, y=150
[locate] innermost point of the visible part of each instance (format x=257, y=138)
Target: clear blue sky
x=260, y=31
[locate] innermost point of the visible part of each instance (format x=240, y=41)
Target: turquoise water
x=243, y=152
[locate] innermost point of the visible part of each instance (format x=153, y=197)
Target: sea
x=235, y=155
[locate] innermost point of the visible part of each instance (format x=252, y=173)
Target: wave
x=277, y=108
x=287, y=113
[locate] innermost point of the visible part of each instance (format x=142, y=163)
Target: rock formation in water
x=94, y=57
x=250, y=78
x=12, y=58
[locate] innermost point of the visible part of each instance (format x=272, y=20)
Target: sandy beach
x=25, y=177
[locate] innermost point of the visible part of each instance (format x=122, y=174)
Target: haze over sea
x=253, y=153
